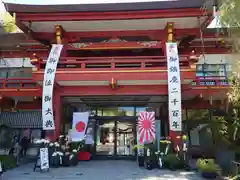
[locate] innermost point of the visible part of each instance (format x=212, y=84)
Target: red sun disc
x=80, y=126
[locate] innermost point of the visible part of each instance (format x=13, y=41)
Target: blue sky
x=75, y=1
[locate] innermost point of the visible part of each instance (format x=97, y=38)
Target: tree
x=230, y=16
x=229, y=13
x=8, y=23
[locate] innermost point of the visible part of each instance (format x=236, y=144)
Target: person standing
x=17, y=152
x=13, y=144
x=24, y=146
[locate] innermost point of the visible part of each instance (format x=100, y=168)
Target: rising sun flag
x=146, y=127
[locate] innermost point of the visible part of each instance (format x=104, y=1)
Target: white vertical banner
x=48, y=85
x=174, y=87
x=79, y=126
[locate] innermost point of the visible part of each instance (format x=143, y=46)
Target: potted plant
x=150, y=157
x=51, y=150
x=74, y=157
x=66, y=159
x=166, y=146
x=208, y=168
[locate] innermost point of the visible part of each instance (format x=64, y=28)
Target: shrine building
x=114, y=63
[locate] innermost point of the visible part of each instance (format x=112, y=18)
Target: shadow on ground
x=98, y=170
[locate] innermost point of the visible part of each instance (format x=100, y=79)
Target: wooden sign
x=44, y=159
x=1, y=170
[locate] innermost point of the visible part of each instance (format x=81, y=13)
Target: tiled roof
x=27, y=8
x=28, y=119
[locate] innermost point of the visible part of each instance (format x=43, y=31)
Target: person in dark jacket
x=24, y=146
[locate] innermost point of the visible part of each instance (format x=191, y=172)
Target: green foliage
x=8, y=162
x=207, y=166
x=230, y=12
x=152, y=148
x=9, y=23
x=79, y=146
x=230, y=16
x=172, y=161
x=164, y=144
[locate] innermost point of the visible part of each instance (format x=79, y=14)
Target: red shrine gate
x=113, y=52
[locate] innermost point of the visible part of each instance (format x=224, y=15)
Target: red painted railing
x=211, y=81
x=116, y=63
x=18, y=83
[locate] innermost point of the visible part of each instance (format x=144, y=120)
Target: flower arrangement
x=57, y=153
x=42, y=141
x=60, y=152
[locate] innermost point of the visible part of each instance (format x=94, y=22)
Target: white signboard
x=48, y=84
x=1, y=167
x=79, y=126
x=174, y=87
x=44, y=161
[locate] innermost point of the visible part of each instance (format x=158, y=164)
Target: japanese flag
x=79, y=126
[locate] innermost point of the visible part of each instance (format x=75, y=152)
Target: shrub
x=8, y=162
x=207, y=166
x=173, y=162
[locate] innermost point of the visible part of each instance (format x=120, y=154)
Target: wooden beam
x=108, y=75
x=159, y=34
x=116, y=15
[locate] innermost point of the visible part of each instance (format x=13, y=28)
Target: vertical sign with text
x=44, y=161
x=174, y=87
x=48, y=84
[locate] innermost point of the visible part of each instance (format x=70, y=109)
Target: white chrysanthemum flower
x=46, y=141
x=74, y=150
x=38, y=141
x=51, y=144
x=61, y=136
x=60, y=153
x=71, y=156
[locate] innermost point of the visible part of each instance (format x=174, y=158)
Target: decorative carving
x=114, y=40
x=81, y=45
x=148, y=43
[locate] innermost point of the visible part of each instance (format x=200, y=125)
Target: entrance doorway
x=105, y=141
x=125, y=138
x=115, y=137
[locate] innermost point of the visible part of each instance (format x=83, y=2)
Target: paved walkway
x=99, y=170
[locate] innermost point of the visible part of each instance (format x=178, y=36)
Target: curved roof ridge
x=154, y=5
